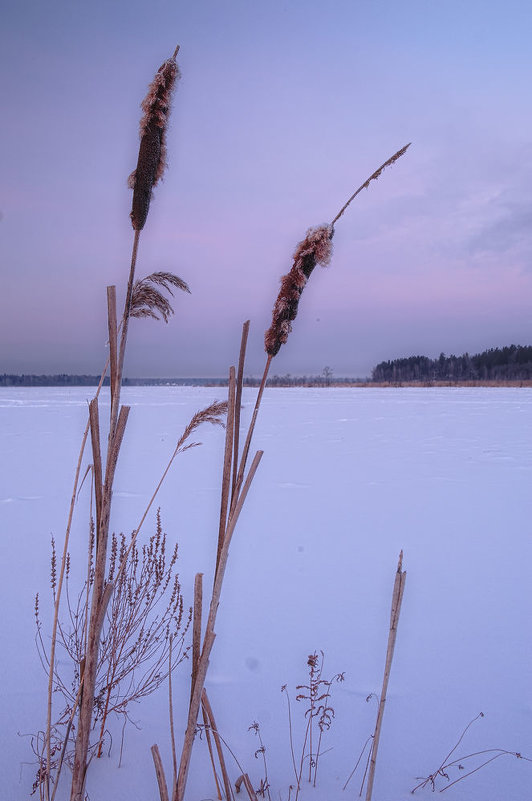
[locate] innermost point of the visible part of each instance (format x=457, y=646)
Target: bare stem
x=159, y=772
x=123, y=338
x=372, y=177
x=212, y=724
x=58, y=595
x=238, y=399
x=397, y=597
x=226, y=473
x=249, y=436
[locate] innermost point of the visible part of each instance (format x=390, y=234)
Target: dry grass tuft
x=147, y=300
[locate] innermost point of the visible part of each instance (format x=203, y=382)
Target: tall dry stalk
x=397, y=597
x=150, y=166
x=315, y=249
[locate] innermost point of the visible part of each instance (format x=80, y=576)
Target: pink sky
x=282, y=110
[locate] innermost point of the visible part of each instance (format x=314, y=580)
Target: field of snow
x=349, y=477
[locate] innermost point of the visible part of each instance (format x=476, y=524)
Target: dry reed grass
x=111, y=572
x=147, y=300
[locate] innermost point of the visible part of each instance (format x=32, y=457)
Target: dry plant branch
x=357, y=763
x=397, y=597
x=53, y=641
x=265, y=783
x=145, y=615
x=447, y=764
x=319, y=712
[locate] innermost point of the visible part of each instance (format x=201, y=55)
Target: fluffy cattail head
x=316, y=248
x=152, y=151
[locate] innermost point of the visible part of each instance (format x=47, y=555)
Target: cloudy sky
x=283, y=109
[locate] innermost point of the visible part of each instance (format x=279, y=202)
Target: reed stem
x=397, y=597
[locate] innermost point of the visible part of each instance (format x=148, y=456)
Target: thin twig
x=211, y=752
x=358, y=761
x=372, y=177
x=217, y=741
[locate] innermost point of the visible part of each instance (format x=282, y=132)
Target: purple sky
x=283, y=109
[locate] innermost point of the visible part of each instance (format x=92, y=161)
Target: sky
x=282, y=110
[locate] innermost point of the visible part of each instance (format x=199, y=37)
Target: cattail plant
x=144, y=298
x=152, y=152
x=314, y=249
x=150, y=166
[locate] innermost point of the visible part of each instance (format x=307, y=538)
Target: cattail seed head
x=152, y=151
x=316, y=248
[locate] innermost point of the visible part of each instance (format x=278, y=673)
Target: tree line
x=511, y=363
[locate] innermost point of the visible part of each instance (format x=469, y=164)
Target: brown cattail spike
x=152, y=151
x=316, y=248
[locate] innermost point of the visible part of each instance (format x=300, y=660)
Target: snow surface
x=348, y=478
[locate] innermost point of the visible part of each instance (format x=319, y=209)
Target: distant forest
x=66, y=380
x=512, y=363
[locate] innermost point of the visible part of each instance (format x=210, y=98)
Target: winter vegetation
x=117, y=626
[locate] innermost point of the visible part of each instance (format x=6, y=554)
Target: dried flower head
x=316, y=248
x=146, y=299
x=152, y=151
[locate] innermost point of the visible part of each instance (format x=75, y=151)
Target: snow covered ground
x=349, y=477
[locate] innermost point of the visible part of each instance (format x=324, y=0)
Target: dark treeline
x=66, y=380
x=60, y=380
x=325, y=379
x=512, y=363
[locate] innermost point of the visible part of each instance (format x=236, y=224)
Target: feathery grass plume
x=316, y=248
x=152, y=151
x=146, y=300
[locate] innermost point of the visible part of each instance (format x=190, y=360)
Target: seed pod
x=152, y=151
x=316, y=248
